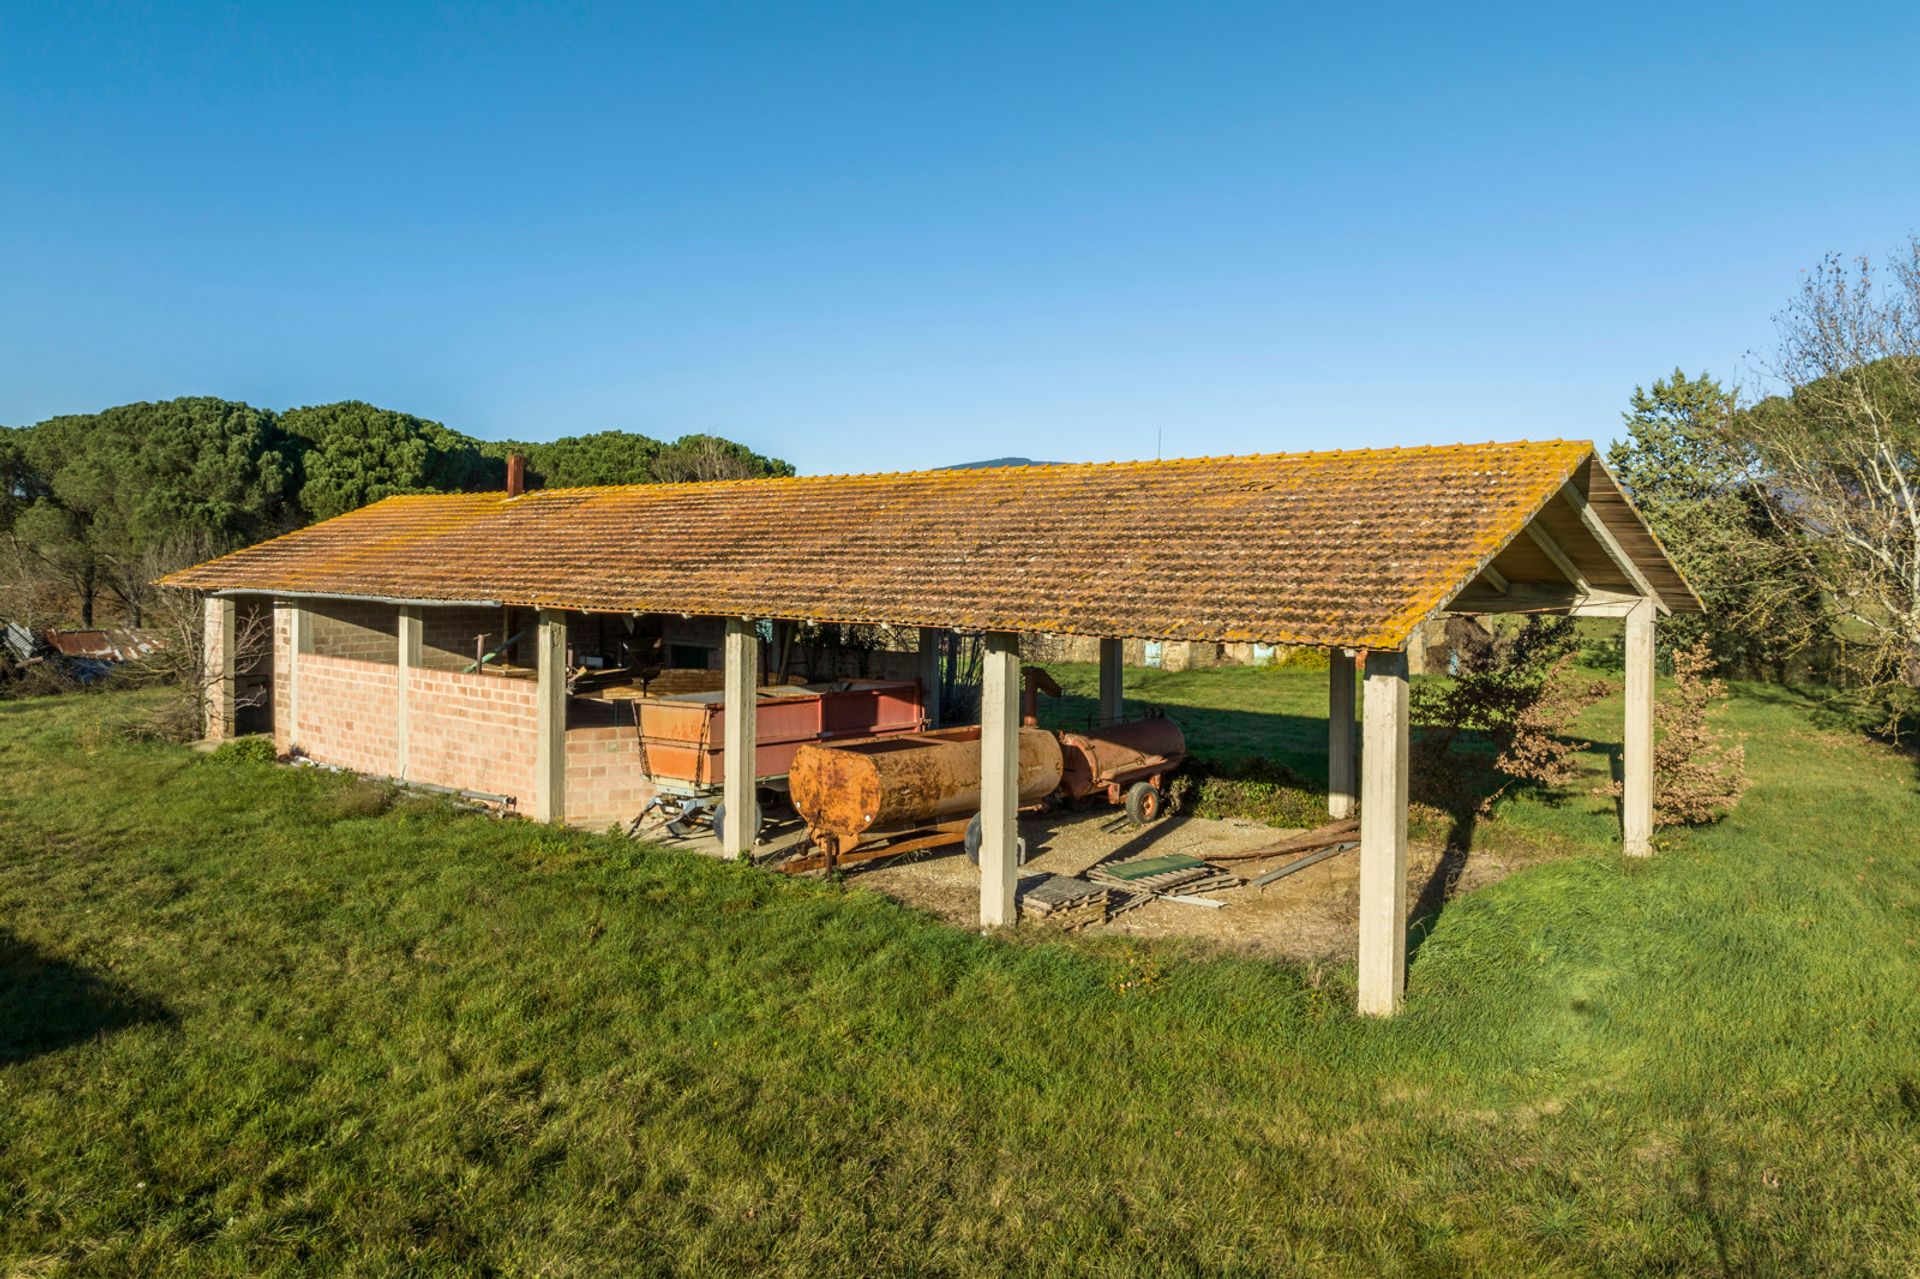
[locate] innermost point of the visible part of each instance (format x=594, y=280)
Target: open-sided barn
x=433, y=638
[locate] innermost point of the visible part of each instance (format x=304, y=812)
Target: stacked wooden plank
x=1064, y=901
x=1167, y=873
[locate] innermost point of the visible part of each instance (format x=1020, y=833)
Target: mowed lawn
x=256, y=1020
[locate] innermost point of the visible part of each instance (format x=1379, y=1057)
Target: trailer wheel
x=1145, y=803
x=975, y=833
x=759, y=820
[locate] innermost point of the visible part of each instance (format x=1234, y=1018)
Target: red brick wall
x=474, y=732
x=348, y=713
x=604, y=782
x=471, y=732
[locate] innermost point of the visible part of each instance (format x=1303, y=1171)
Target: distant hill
x=998, y=461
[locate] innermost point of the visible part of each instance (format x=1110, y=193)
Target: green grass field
x=266, y=1021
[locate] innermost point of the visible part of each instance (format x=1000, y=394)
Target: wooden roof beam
x=1592, y=522
x=1551, y=549
x=1529, y=597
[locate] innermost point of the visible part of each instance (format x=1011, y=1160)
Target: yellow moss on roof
x=1351, y=547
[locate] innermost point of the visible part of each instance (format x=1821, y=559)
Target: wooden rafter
x=1608, y=543
x=1528, y=597
x=1551, y=549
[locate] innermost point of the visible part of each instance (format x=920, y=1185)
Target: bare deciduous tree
x=177, y=620
x=1837, y=458
x=26, y=597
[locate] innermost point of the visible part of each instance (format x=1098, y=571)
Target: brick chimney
x=516, y=475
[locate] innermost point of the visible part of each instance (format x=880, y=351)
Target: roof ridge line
x=958, y=472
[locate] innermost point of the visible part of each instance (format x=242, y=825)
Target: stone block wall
x=283, y=677
x=217, y=707
x=356, y=632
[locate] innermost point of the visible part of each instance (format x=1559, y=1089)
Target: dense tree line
x=95, y=506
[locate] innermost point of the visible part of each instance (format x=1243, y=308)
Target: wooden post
x=932, y=644
x=1636, y=809
x=1383, y=836
x=1113, y=696
x=742, y=696
x=550, y=782
x=999, y=778
x=1339, y=733
x=408, y=662
x=219, y=658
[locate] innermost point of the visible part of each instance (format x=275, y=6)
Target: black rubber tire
x=1145, y=803
x=972, y=844
x=759, y=820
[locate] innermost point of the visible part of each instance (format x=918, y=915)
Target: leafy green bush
x=1256, y=790
x=246, y=750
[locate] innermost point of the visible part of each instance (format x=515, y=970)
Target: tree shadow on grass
x=1459, y=779
x=47, y=1004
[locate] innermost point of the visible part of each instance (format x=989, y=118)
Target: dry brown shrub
x=1537, y=751
x=1698, y=774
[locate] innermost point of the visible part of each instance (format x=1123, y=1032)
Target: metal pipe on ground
x=1311, y=859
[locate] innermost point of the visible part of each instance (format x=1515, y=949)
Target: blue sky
x=878, y=236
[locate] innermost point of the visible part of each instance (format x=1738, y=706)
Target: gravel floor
x=1309, y=915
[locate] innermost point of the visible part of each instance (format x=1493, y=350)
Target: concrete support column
x=1340, y=741
x=218, y=658
x=299, y=640
x=1113, y=697
x=1383, y=836
x=740, y=711
x=999, y=778
x=550, y=781
x=932, y=644
x=1636, y=809
x=408, y=662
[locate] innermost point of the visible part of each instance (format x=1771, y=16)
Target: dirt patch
x=1309, y=915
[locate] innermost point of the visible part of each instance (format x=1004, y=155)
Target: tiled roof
x=1348, y=548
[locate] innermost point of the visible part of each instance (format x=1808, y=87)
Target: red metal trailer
x=682, y=737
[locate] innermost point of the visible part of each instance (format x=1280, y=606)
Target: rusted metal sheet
x=682, y=736
x=118, y=645
x=855, y=791
x=1350, y=548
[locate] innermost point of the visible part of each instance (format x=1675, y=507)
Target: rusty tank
x=1118, y=758
x=904, y=792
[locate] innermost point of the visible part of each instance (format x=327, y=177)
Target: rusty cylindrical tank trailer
x=884, y=796
x=912, y=791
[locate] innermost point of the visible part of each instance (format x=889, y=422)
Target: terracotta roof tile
x=1350, y=548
